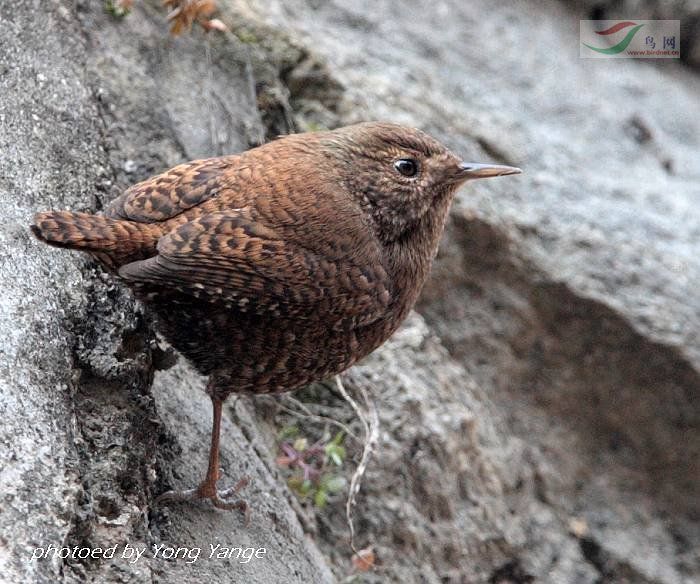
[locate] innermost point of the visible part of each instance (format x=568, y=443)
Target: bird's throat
x=410, y=257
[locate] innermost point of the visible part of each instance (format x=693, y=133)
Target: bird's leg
x=207, y=488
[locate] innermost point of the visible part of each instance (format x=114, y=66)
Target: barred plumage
x=282, y=265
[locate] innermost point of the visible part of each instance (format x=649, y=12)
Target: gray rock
x=86, y=444
x=569, y=294
x=538, y=421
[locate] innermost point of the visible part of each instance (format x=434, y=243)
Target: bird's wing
x=229, y=258
x=168, y=194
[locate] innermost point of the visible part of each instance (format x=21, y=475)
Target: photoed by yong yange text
x=134, y=553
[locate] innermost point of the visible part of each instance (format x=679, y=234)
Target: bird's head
x=399, y=174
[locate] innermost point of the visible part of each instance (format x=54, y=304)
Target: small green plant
x=313, y=466
x=246, y=36
x=118, y=8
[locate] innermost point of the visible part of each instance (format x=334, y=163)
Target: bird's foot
x=208, y=490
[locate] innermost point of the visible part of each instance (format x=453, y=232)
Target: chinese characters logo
x=626, y=39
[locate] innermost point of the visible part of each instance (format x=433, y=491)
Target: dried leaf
x=177, y=27
x=363, y=560
x=205, y=7
x=214, y=24
x=184, y=13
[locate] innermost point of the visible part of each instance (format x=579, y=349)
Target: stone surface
x=568, y=294
x=539, y=421
x=89, y=105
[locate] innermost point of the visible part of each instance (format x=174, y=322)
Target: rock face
x=568, y=294
x=539, y=419
x=89, y=106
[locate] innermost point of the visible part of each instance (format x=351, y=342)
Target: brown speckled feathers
x=282, y=265
x=323, y=239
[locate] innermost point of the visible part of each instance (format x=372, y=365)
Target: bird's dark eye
x=406, y=166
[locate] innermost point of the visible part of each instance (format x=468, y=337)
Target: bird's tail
x=96, y=234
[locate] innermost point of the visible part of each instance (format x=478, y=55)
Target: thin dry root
x=370, y=422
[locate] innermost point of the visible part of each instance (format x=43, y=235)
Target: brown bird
x=283, y=265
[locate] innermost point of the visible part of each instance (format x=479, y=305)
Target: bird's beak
x=469, y=170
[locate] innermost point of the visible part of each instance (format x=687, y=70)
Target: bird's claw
x=209, y=491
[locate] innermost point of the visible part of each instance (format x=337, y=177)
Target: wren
x=280, y=266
